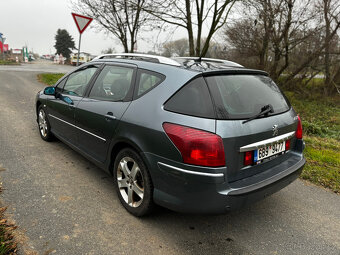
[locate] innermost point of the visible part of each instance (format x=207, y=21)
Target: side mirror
x=49, y=91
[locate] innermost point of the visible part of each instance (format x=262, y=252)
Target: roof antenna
x=199, y=60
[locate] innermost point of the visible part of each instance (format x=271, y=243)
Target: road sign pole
x=78, y=49
x=82, y=23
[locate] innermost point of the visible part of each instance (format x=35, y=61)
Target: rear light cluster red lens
x=197, y=147
x=287, y=145
x=298, y=132
x=248, y=158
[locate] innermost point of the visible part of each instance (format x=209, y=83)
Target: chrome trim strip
x=259, y=144
x=192, y=172
x=77, y=127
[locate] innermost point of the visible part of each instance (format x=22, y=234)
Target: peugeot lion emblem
x=275, y=130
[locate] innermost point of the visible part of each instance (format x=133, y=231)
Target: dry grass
x=8, y=245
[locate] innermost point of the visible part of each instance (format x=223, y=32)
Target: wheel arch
x=38, y=103
x=120, y=145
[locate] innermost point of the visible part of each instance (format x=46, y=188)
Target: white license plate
x=269, y=150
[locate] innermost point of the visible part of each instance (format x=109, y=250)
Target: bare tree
x=284, y=36
x=109, y=50
x=178, y=47
x=193, y=15
x=122, y=18
x=331, y=14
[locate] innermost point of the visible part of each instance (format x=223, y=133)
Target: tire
x=44, y=125
x=133, y=183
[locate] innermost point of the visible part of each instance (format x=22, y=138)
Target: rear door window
x=242, y=96
x=193, y=99
x=147, y=80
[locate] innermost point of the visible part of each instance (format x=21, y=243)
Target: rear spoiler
x=234, y=71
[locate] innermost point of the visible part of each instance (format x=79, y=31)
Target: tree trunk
x=328, y=86
x=206, y=46
x=189, y=29
x=132, y=42
x=265, y=41
x=273, y=70
x=132, y=46
x=125, y=44
x=200, y=10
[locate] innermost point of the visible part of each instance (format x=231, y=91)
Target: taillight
x=248, y=158
x=197, y=147
x=287, y=145
x=298, y=132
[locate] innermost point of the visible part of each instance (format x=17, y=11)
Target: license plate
x=269, y=150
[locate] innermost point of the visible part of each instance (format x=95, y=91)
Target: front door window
x=77, y=82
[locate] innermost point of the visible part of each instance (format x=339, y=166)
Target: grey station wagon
x=193, y=135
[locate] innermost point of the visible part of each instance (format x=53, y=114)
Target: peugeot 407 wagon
x=193, y=135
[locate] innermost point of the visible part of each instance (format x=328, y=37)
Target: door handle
x=109, y=116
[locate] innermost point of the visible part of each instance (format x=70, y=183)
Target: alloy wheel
x=42, y=123
x=130, y=182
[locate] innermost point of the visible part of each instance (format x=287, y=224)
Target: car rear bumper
x=190, y=189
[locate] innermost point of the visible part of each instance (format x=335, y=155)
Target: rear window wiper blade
x=264, y=110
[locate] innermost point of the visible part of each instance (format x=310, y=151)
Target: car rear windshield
x=240, y=96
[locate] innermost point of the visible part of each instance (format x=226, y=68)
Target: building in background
x=83, y=58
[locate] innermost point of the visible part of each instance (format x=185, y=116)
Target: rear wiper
x=264, y=110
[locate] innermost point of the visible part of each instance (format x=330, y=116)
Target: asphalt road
x=63, y=204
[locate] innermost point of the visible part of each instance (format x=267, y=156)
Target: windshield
x=241, y=96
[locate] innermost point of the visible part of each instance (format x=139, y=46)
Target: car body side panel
x=61, y=117
x=92, y=116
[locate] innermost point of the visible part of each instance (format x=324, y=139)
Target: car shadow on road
x=229, y=233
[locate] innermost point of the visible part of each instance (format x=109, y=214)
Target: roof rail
x=138, y=56
x=210, y=60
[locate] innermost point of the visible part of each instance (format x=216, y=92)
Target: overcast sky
x=34, y=23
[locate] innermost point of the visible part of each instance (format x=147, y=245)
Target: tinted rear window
x=192, y=99
x=242, y=96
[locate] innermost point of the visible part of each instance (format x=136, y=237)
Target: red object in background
x=5, y=48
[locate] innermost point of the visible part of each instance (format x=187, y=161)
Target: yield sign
x=81, y=21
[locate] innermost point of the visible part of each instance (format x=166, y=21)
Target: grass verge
x=321, y=125
x=49, y=78
x=7, y=244
x=323, y=162
x=8, y=62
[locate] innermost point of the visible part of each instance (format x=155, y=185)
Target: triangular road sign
x=81, y=21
